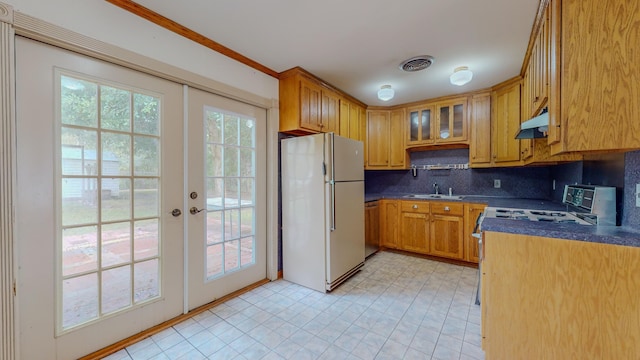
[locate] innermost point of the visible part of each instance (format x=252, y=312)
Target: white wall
x=108, y=23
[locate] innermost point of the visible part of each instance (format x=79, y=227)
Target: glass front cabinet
x=438, y=122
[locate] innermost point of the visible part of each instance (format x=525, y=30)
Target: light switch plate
x=496, y=183
x=637, y=195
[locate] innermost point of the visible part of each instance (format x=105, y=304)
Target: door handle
x=176, y=212
x=194, y=210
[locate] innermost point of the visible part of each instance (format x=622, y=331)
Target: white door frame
x=17, y=23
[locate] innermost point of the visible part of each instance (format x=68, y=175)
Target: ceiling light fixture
x=461, y=75
x=386, y=93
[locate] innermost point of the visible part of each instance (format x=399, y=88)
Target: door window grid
x=230, y=192
x=109, y=243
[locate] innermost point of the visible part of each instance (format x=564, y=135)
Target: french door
x=100, y=169
x=227, y=196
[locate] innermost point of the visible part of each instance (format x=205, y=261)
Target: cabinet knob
x=446, y=208
x=415, y=206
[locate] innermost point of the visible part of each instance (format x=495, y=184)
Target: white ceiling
x=357, y=45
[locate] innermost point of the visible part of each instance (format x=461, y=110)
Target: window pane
x=78, y=102
x=116, y=289
x=116, y=109
x=79, y=250
x=231, y=255
x=458, y=117
x=231, y=192
x=246, y=222
x=231, y=156
x=413, y=126
x=116, y=154
x=146, y=156
x=246, y=162
x=247, y=253
x=79, y=300
x=247, y=192
x=213, y=124
x=145, y=200
x=247, y=132
x=146, y=285
x=231, y=130
x=426, y=124
x=116, y=203
x=214, y=227
x=146, y=116
x=215, y=190
x=231, y=224
x=79, y=201
x=145, y=239
x=214, y=260
x=116, y=244
x=78, y=153
x=214, y=160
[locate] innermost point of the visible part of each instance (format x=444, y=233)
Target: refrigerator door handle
x=332, y=181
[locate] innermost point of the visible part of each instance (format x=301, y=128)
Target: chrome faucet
x=436, y=188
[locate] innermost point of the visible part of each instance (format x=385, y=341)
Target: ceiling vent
x=417, y=63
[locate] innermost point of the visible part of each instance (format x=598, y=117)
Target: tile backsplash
x=525, y=182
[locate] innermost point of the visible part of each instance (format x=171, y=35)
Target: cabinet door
x=506, y=122
x=397, y=150
x=344, y=118
x=372, y=225
x=452, y=121
x=421, y=122
x=414, y=226
x=310, y=105
x=480, y=139
x=354, y=122
x=389, y=223
x=330, y=112
x=472, y=211
x=447, y=236
x=378, y=136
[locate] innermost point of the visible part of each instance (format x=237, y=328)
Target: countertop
x=614, y=235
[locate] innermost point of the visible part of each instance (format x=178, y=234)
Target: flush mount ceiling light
x=386, y=93
x=461, y=75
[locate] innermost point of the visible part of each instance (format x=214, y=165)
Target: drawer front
x=415, y=206
x=446, y=208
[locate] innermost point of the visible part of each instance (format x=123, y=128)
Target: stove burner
x=547, y=213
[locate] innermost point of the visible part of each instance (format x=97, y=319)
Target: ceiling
x=357, y=45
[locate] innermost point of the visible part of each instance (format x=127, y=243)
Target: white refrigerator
x=322, y=210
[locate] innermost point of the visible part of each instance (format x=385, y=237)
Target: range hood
x=534, y=128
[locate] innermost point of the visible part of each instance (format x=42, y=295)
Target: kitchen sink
x=434, y=196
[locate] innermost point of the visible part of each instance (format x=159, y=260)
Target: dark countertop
x=614, y=235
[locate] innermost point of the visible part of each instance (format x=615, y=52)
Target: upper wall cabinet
x=480, y=130
x=437, y=122
x=385, y=148
x=594, y=76
x=308, y=105
x=505, y=108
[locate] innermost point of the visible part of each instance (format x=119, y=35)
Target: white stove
x=561, y=217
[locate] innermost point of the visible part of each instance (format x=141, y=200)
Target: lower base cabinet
x=545, y=298
x=429, y=227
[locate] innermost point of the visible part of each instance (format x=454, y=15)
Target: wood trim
x=184, y=31
x=169, y=323
x=7, y=184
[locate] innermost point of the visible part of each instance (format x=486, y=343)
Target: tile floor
x=397, y=307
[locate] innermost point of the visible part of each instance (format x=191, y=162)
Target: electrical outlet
x=496, y=183
x=637, y=195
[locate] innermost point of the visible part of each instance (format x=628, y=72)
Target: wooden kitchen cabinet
x=308, y=105
x=480, y=130
x=352, y=119
x=505, y=109
x=385, y=148
x=421, y=125
x=452, y=121
x=471, y=213
x=414, y=226
x=545, y=298
x=447, y=230
x=593, y=104
x=389, y=220
x=372, y=224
